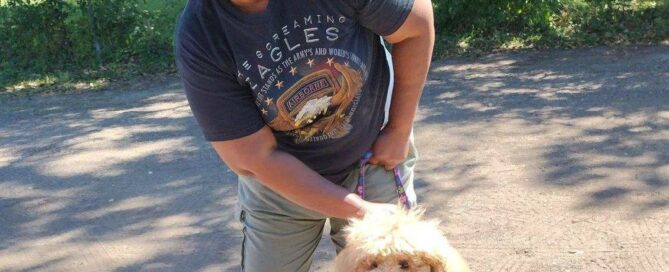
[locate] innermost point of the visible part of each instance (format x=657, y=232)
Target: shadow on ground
x=116, y=181
x=527, y=158
x=550, y=161
x=598, y=116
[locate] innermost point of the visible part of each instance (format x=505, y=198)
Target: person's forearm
x=292, y=179
x=411, y=62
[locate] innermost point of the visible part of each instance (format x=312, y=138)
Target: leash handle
x=399, y=187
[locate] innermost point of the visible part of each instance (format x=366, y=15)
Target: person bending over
x=291, y=95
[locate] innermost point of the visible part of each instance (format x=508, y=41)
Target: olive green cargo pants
x=280, y=236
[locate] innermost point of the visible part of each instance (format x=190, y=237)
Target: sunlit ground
x=555, y=161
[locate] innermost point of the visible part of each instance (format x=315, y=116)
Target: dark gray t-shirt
x=315, y=71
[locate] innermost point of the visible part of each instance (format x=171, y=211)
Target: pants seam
x=243, y=221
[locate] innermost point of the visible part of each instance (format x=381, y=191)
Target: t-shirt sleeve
x=223, y=108
x=383, y=17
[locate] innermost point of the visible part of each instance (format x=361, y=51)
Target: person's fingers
x=383, y=163
x=387, y=164
x=390, y=164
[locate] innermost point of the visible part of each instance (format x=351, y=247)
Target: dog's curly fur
x=402, y=241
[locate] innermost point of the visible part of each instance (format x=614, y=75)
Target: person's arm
x=257, y=156
x=225, y=111
x=411, y=52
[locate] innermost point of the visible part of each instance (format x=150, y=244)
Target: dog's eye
x=374, y=265
x=404, y=264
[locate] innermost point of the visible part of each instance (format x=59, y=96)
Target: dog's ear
x=446, y=260
x=435, y=262
x=450, y=262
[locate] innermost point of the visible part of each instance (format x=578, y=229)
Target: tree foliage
x=49, y=35
x=84, y=37
x=35, y=34
x=492, y=24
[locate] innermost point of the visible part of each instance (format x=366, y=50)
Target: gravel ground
x=540, y=161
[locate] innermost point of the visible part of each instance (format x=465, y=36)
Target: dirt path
x=551, y=161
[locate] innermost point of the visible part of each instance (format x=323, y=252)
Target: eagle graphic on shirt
x=318, y=104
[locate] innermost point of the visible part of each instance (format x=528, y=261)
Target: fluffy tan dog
x=397, y=242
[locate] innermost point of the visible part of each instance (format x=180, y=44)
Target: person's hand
x=390, y=148
x=377, y=209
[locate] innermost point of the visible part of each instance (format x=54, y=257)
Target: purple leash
x=360, y=188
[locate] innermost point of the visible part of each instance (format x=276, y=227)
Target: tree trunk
x=88, y=5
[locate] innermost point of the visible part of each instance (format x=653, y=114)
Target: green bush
x=470, y=25
x=86, y=38
x=56, y=41
x=35, y=35
x=489, y=16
